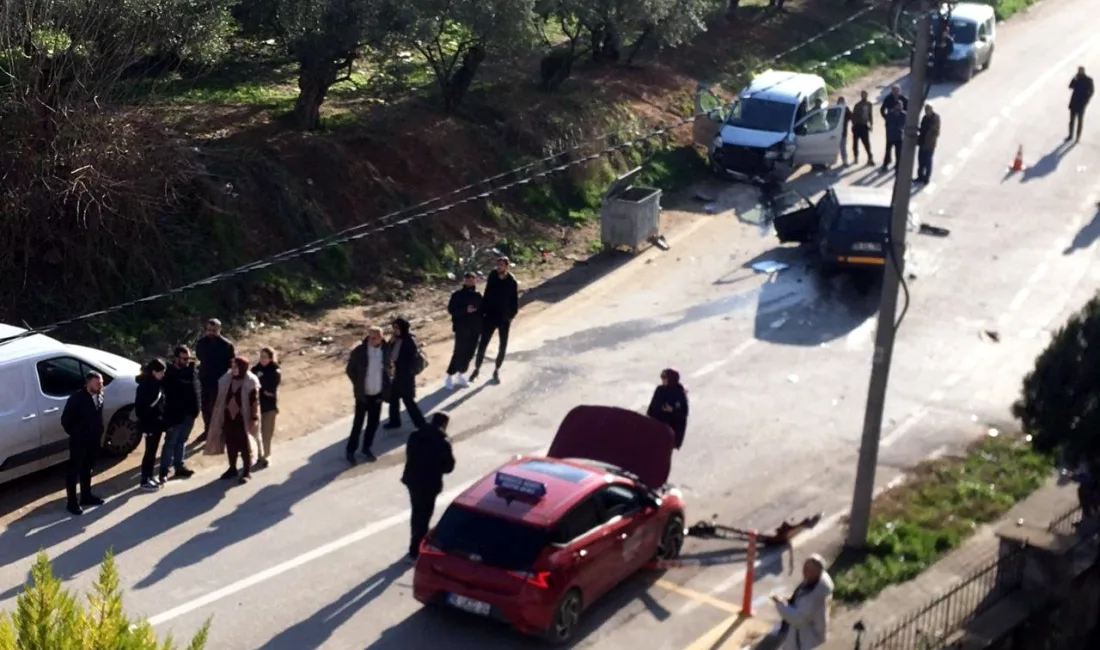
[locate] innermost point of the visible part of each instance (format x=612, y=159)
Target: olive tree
x=618, y=28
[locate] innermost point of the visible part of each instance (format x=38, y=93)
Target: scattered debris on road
x=660, y=242
x=989, y=335
x=769, y=266
x=935, y=231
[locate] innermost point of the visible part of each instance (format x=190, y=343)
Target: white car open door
x=709, y=116
x=817, y=136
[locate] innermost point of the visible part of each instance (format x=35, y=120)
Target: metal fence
x=1066, y=523
x=994, y=580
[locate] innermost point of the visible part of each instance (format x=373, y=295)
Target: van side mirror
x=984, y=38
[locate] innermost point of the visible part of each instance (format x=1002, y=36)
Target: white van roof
x=26, y=346
x=782, y=86
x=974, y=11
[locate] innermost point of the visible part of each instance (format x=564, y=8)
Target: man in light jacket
x=370, y=383
x=806, y=613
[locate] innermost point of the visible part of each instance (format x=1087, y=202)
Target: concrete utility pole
x=860, y=518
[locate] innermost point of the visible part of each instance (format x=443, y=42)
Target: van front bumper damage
x=747, y=164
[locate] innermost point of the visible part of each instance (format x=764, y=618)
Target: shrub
x=48, y=617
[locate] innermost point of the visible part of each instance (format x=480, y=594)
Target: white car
x=37, y=375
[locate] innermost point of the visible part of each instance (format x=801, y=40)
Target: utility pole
x=860, y=518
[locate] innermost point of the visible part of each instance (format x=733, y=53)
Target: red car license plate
x=468, y=604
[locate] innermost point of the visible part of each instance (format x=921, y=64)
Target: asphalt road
x=776, y=365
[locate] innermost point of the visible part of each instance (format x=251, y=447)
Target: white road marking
x=1040, y=272
x=715, y=365
x=1019, y=299
x=964, y=153
x=936, y=396
x=904, y=427
x=952, y=379
x=744, y=346
x=947, y=170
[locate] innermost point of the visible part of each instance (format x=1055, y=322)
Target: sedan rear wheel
x=672, y=539
x=566, y=617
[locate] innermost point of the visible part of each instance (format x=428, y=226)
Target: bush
x=48, y=617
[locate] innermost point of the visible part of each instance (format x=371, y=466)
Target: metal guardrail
x=1066, y=523
x=997, y=578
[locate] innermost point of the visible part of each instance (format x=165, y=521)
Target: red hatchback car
x=537, y=541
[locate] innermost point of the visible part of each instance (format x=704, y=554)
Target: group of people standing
x=894, y=113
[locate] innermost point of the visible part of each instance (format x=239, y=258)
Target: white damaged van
x=778, y=123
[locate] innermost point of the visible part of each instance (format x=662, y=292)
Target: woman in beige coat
x=235, y=421
x=806, y=613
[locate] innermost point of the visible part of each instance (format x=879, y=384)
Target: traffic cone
x=1018, y=162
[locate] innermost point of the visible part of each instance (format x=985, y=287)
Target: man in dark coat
x=670, y=404
x=498, y=308
x=215, y=354
x=895, y=134
x=465, y=310
x=404, y=363
x=183, y=397
x=894, y=100
x=1082, y=88
x=428, y=457
x=927, y=137
x=368, y=370
x=82, y=421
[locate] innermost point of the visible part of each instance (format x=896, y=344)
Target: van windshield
x=500, y=543
x=762, y=115
x=963, y=32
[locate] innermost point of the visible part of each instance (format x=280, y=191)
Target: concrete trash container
x=630, y=215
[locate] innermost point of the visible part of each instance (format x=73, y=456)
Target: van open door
x=817, y=136
x=709, y=116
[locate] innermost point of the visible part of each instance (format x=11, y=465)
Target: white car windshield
x=762, y=115
x=962, y=32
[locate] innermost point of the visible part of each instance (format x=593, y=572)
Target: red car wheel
x=566, y=617
x=672, y=539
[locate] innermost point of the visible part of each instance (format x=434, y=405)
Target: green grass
x=944, y=502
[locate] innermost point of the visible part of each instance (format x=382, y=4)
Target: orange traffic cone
x=1018, y=162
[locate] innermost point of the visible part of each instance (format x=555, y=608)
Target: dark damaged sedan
x=848, y=227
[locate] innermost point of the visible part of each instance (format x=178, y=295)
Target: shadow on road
x=1086, y=236
x=20, y=493
x=1048, y=164
x=581, y=274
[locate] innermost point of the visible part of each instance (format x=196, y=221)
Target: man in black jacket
x=82, y=421
x=895, y=98
x=1082, y=88
x=428, y=457
x=368, y=370
x=498, y=308
x=465, y=310
x=215, y=354
x=404, y=361
x=183, y=397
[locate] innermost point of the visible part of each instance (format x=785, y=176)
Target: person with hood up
x=215, y=354
x=806, y=613
x=405, y=366
x=428, y=458
x=149, y=406
x=465, y=310
x=235, y=419
x=183, y=397
x=267, y=371
x=670, y=404
x=498, y=309
x=368, y=369
x=82, y=420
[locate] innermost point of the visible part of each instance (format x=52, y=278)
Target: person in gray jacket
x=806, y=613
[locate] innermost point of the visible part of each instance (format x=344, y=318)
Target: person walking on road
x=1082, y=88
x=498, y=308
x=149, y=406
x=428, y=457
x=670, y=404
x=893, y=101
x=183, y=400
x=82, y=420
x=368, y=370
x=215, y=354
x=236, y=418
x=863, y=117
x=806, y=613
x=895, y=134
x=465, y=310
x=927, y=137
x=270, y=376
x=406, y=362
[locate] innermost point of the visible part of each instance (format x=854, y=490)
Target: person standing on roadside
x=215, y=354
x=843, y=103
x=465, y=310
x=267, y=371
x=895, y=134
x=368, y=370
x=894, y=100
x=236, y=418
x=670, y=404
x=806, y=613
x=1082, y=89
x=863, y=117
x=82, y=421
x=498, y=308
x=183, y=397
x=428, y=457
x=149, y=406
x=405, y=364
x=927, y=137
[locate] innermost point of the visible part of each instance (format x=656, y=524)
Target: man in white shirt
x=371, y=384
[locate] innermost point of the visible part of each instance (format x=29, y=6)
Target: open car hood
x=616, y=436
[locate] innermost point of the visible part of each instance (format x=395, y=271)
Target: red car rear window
x=500, y=543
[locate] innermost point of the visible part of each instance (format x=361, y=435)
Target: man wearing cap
x=215, y=353
x=806, y=613
x=465, y=310
x=499, y=306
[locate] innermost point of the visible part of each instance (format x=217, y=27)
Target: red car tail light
x=426, y=548
x=540, y=579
